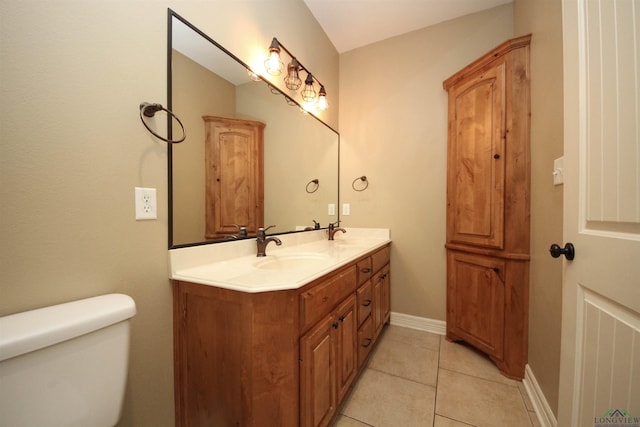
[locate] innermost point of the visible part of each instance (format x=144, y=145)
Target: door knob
x=568, y=251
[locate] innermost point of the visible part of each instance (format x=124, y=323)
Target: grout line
x=486, y=379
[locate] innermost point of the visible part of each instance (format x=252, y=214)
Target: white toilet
x=65, y=365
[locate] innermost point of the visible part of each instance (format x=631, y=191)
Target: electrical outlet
x=346, y=209
x=146, y=204
x=331, y=210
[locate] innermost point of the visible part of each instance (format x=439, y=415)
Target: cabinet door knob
x=335, y=325
x=368, y=343
x=568, y=251
x=341, y=318
x=496, y=156
x=367, y=303
x=366, y=270
x=496, y=269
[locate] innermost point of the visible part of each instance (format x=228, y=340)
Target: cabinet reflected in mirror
x=297, y=148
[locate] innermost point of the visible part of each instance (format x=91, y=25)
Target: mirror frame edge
x=170, y=15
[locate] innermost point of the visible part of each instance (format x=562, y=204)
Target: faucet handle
x=263, y=230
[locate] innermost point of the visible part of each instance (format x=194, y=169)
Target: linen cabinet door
x=317, y=374
x=476, y=160
x=475, y=301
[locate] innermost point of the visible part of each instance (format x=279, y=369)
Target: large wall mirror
x=207, y=81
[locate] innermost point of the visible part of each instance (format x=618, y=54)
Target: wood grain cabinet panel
x=488, y=178
x=234, y=175
x=280, y=358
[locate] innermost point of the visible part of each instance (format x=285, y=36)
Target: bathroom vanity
x=278, y=340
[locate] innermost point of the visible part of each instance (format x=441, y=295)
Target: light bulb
x=273, y=64
x=323, y=104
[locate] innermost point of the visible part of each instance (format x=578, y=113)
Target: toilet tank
x=65, y=365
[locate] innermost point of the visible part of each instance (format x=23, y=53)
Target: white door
x=600, y=355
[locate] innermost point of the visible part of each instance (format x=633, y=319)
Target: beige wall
x=73, y=148
x=393, y=125
x=543, y=18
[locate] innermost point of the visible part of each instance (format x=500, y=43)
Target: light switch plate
x=146, y=203
x=558, y=171
x=331, y=209
x=346, y=209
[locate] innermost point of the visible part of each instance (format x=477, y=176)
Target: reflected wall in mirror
x=297, y=148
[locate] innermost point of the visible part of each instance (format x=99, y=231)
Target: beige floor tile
x=448, y=422
x=343, y=421
x=479, y=401
x=406, y=359
x=460, y=357
x=413, y=336
x=383, y=400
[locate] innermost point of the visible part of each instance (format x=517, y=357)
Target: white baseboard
x=420, y=323
x=539, y=402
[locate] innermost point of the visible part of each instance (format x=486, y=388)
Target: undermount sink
x=290, y=262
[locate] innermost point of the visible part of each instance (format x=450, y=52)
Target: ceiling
x=355, y=23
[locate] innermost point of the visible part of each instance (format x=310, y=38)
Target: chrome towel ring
x=149, y=110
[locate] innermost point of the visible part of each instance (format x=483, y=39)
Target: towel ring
x=363, y=179
x=149, y=110
x=317, y=185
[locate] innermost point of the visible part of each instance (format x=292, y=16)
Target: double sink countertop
x=302, y=258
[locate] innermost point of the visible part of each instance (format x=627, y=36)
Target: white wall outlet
x=346, y=209
x=146, y=203
x=558, y=171
x=331, y=209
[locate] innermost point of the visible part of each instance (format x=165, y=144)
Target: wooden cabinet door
x=475, y=301
x=317, y=374
x=346, y=336
x=234, y=176
x=476, y=168
x=386, y=294
x=377, y=312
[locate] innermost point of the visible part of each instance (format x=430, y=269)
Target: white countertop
x=302, y=258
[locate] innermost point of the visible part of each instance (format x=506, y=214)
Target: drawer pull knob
x=335, y=325
x=341, y=318
x=366, y=270
x=496, y=269
x=367, y=303
x=368, y=343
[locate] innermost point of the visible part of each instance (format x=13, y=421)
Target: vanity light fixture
x=274, y=66
x=308, y=93
x=322, y=99
x=293, y=81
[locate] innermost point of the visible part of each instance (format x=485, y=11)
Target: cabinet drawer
x=364, y=302
x=380, y=258
x=320, y=299
x=364, y=270
x=365, y=340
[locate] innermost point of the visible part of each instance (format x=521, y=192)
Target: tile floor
x=416, y=378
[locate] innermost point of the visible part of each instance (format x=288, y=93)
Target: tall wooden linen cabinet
x=488, y=180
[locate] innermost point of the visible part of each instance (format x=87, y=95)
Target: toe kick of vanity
x=277, y=358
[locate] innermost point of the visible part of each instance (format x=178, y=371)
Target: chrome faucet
x=262, y=240
x=333, y=229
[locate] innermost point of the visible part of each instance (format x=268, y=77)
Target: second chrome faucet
x=262, y=240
